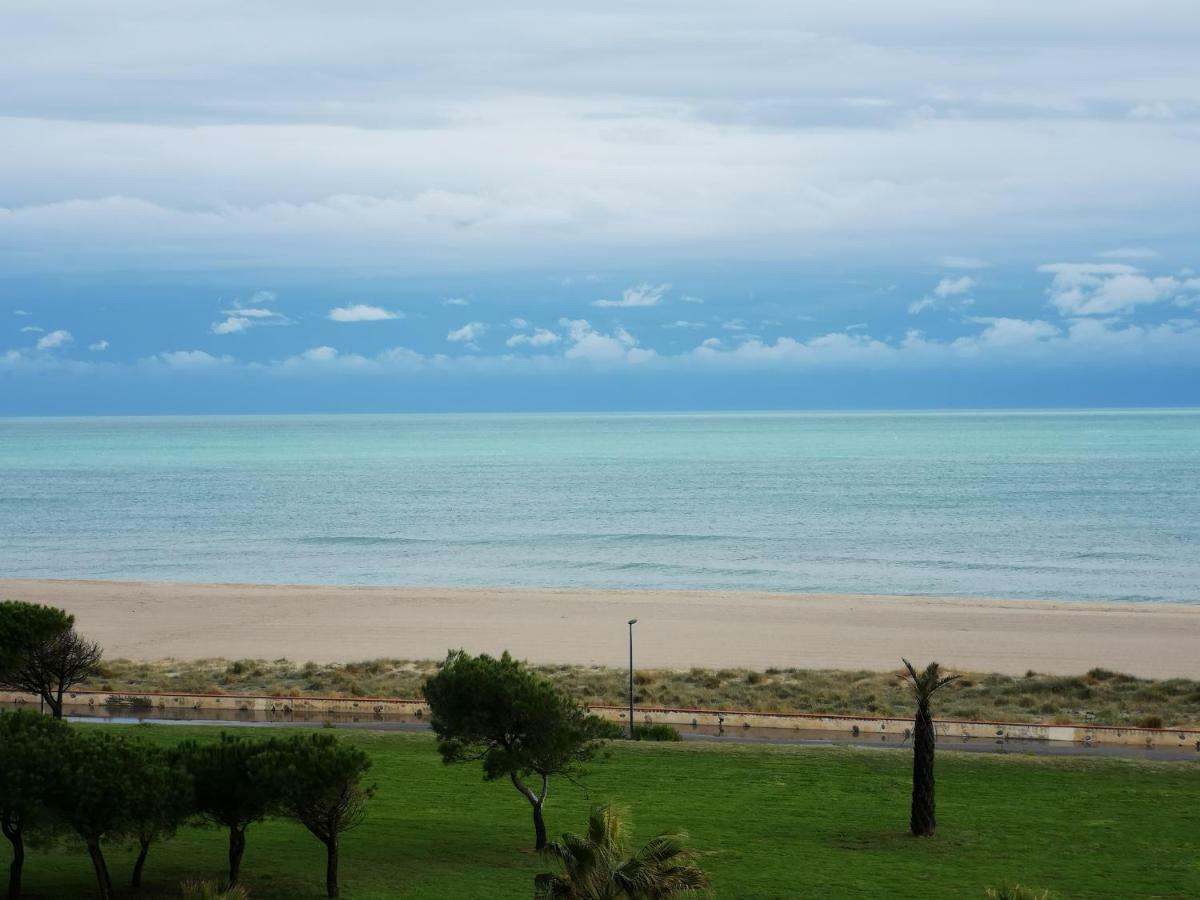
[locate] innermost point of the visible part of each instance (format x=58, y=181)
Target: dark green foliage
x=94, y=793
x=318, y=781
x=26, y=629
x=50, y=666
x=599, y=866
x=227, y=789
x=25, y=625
x=159, y=802
x=923, y=817
x=31, y=757
x=656, y=733
x=516, y=723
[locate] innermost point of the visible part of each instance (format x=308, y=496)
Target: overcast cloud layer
x=271, y=192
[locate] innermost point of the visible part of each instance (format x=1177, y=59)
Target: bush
x=1016, y=892
x=655, y=733
x=1150, y=722
x=210, y=890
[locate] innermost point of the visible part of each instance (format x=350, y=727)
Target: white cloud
x=683, y=323
x=688, y=298
x=22, y=312
x=320, y=354
x=242, y=318
x=189, y=360
x=518, y=323
x=361, y=312
x=1105, y=289
x=468, y=334
x=952, y=287
x=642, y=295
x=55, y=339
x=32, y=329
x=541, y=337
x=456, y=301
x=98, y=346
x=231, y=325
x=734, y=325
x=597, y=347
x=1007, y=332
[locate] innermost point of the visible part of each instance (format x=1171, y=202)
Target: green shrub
x=655, y=733
x=1016, y=892
x=210, y=890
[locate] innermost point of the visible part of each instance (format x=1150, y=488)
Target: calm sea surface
x=1078, y=505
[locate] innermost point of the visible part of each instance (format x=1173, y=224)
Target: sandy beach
x=677, y=629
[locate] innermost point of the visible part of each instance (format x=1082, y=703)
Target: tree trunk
x=331, y=867
x=13, y=833
x=136, y=881
x=923, y=821
x=539, y=827
x=237, y=847
x=55, y=704
x=103, y=882
x=537, y=801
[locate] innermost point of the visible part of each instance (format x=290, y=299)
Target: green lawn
x=769, y=822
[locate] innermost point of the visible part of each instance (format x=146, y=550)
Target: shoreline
x=677, y=629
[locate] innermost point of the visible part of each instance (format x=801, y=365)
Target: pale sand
x=676, y=629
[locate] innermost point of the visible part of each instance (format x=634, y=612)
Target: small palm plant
x=211, y=890
x=597, y=865
x=1016, y=892
x=925, y=684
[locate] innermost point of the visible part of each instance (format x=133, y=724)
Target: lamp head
x=633, y=621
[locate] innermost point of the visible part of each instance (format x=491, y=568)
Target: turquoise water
x=1077, y=505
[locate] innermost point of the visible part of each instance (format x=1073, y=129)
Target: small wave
x=663, y=536
x=362, y=540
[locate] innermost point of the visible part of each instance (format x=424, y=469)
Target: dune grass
x=1098, y=696
x=767, y=821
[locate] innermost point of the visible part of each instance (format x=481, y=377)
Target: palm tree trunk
x=12, y=831
x=237, y=847
x=136, y=881
x=331, y=867
x=103, y=882
x=923, y=821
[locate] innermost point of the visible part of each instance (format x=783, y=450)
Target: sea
x=1099, y=505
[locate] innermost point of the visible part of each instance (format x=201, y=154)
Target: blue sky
x=292, y=207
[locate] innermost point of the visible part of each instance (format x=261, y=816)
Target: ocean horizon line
x=566, y=413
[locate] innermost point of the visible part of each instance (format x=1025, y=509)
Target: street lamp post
x=632, y=622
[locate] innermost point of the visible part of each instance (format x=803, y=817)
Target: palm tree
x=596, y=866
x=923, y=820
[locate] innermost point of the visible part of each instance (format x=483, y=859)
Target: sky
x=366, y=207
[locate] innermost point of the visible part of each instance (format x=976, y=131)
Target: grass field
x=768, y=822
x=1099, y=696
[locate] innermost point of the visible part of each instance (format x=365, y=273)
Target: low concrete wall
x=148, y=702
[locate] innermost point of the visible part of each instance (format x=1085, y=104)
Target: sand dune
x=679, y=629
